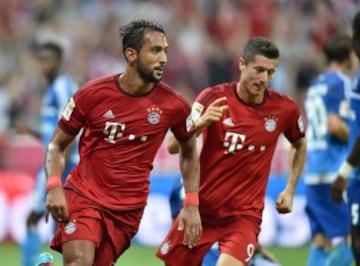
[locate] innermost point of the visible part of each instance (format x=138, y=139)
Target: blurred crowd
x=205, y=37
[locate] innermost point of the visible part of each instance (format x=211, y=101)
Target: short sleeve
x=182, y=115
x=200, y=104
x=295, y=126
x=75, y=113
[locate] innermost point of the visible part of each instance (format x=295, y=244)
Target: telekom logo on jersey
x=111, y=130
x=115, y=130
x=236, y=142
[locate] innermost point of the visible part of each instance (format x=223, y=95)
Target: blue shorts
x=354, y=201
x=211, y=256
x=325, y=216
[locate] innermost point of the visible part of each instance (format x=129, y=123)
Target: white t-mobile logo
x=234, y=142
x=111, y=130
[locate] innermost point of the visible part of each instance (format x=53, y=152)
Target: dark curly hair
x=132, y=34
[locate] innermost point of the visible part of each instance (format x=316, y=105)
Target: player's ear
x=242, y=63
x=131, y=55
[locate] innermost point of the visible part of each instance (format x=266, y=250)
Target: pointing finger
x=218, y=101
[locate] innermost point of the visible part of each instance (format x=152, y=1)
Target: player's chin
x=158, y=75
x=258, y=90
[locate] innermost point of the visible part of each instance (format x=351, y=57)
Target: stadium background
x=206, y=38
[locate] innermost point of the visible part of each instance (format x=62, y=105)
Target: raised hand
x=213, y=113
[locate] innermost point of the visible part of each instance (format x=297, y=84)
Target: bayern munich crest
x=70, y=227
x=165, y=247
x=154, y=115
x=270, y=123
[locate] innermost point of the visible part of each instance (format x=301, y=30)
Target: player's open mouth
x=159, y=71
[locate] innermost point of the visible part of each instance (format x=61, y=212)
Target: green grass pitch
x=144, y=256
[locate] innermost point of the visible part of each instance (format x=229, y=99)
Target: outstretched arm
x=297, y=155
x=54, y=167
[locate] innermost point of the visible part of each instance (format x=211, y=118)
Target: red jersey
x=237, y=151
x=121, y=135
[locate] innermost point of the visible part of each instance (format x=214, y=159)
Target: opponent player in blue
x=263, y=257
x=59, y=89
x=351, y=167
x=327, y=114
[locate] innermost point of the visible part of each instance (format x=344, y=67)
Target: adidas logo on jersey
x=228, y=121
x=109, y=115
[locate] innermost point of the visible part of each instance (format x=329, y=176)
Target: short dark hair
x=338, y=47
x=356, y=33
x=132, y=34
x=54, y=47
x=260, y=46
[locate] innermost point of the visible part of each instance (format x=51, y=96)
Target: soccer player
x=326, y=108
x=351, y=165
x=59, y=90
x=124, y=119
x=263, y=257
x=241, y=122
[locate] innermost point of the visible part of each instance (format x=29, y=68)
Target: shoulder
x=100, y=81
x=170, y=94
x=63, y=81
x=214, y=92
x=335, y=80
x=281, y=100
x=96, y=86
x=65, y=84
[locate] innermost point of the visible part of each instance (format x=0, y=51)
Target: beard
x=147, y=74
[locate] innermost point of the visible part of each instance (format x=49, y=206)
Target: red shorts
x=111, y=231
x=237, y=238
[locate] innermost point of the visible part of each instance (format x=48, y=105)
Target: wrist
x=345, y=170
x=290, y=190
x=52, y=182
x=191, y=199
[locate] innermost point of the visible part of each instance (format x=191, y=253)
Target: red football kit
x=235, y=164
x=107, y=191
x=121, y=135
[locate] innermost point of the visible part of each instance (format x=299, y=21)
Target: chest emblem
x=109, y=114
x=154, y=115
x=228, y=121
x=270, y=123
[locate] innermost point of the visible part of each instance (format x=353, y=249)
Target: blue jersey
x=327, y=94
x=177, y=196
x=355, y=121
x=55, y=99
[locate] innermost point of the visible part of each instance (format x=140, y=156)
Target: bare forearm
x=190, y=165
x=190, y=170
x=54, y=160
x=297, y=157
